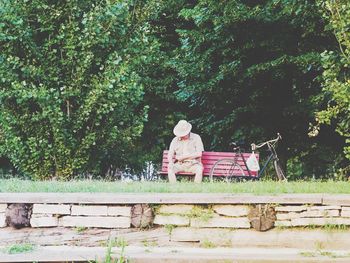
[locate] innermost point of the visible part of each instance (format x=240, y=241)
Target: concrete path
x=309, y=239
x=175, y=254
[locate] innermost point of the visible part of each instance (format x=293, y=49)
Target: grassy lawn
x=94, y=186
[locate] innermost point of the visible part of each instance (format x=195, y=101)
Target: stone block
x=320, y=221
x=51, y=209
x=345, y=208
x=291, y=208
x=42, y=215
x=221, y=221
x=89, y=210
x=95, y=221
x=176, y=220
x=2, y=220
x=44, y=221
x=342, y=221
x=175, y=209
x=232, y=210
x=309, y=221
x=287, y=216
x=310, y=213
x=320, y=213
x=283, y=223
x=324, y=207
x=119, y=211
x=3, y=208
x=345, y=213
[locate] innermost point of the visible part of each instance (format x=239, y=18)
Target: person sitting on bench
x=187, y=147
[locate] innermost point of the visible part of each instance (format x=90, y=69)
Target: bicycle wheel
x=280, y=174
x=226, y=169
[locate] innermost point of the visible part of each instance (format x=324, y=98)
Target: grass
x=203, y=215
x=169, y=228
x=121, y=242
x=19, y=248
x=80, y=229
x=328, y=254
x=333, y=227
x=319, y=251
x=149, y=243
x=257, y=187
x=109, y=258
x=308, y=254
x=208, y=244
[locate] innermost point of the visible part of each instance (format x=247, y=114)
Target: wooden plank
x=207, y=154
x=158, y=198
x=274, y=238
x=211, y=163
x=218, y=155
x=56, y=254
x=206, y=172
x=175, y=254
x=343, y=199
x=209, y=159
x=84, y=237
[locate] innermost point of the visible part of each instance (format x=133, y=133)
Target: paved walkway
x=176, y=254
x=308, y=239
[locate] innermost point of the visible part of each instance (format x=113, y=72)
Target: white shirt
x=190, y=146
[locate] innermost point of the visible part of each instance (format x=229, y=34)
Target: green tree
x=336, y=75
x=160, y=84
x=70, y=93
x=249, y=69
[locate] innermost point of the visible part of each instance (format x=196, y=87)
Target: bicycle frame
x=273, y=155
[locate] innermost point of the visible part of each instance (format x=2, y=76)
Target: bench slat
x=209, y=159
x=212, y=162
x=215, y=155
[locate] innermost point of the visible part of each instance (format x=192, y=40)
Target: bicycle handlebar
x=236, y=145
x=274, y=141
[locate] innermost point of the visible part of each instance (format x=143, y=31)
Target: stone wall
x=236, y=216
x=194, y=216
x=100, y=216
x=2, y=215
x=303, y=215
x=218, y=216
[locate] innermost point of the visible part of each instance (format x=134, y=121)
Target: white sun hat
x=182, y=128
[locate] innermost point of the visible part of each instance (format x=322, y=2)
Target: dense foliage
x=337, y=70
x=90, y=87
x=70, y=92
x=254, y=65
x=250, y=68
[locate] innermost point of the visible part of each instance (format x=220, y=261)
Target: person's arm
x=197, y=154
x=171, y=152
x=190, y=156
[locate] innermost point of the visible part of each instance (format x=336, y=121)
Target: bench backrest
x=209, y=159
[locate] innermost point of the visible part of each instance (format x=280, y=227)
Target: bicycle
x=232, y=168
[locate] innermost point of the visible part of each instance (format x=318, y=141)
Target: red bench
x=208, y=160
